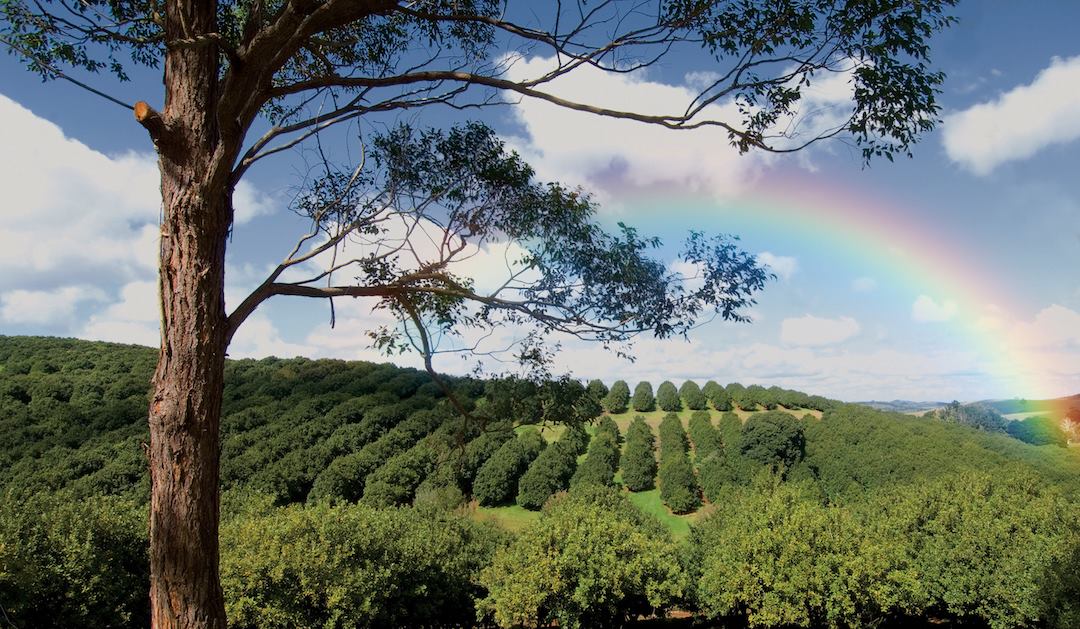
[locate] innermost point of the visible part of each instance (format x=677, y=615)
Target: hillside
x=310, y=443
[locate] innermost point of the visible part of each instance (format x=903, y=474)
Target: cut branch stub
x=152, y=121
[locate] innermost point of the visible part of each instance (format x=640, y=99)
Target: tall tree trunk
x=185, y=412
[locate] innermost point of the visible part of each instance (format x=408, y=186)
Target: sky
x=952, y=275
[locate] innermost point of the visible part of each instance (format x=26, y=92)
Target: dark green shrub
x=739, y=398
x=550, y=472
x=608, y=425
x=692, y=396
x=678, y=486
x=597, y=390
x=773, y=438
x=639, y=460
x=730, y=429
x=618, y=398
x=497, y=481
x=718, y=396
x=576, y=439
x=704, y=436
x=672, y=435
x=344, y=478
x=667, y=397
x=643, y=401
x=601, y=462
x=395, y=482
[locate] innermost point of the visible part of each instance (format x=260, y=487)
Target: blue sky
x=993, y=190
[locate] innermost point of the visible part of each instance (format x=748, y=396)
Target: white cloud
x=1020, y=122
x=70, y=211
x=925, y=309
x=783, y=266
x=259, y=338
x=45, y=307
x=692, y=274
x=132, y=319
x=617, y=158
x=863, y=284
x=613, y=157
x=812, y=331
x=1052, y=327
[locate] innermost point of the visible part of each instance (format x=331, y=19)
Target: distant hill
x=1057, y=406
x=72, y=416
x=903, y=406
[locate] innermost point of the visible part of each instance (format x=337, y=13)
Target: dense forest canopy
x=351, y=496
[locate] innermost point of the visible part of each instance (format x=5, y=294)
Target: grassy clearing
x=511, y=517
x=649, y=502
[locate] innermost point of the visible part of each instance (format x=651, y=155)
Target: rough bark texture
x=185, y=411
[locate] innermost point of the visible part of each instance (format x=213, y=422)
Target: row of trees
x=668, y=398
x=552, y=470
x=678, y=486
x=639, y=458
x=602, y=457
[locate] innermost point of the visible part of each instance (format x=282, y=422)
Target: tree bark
x=185, y=411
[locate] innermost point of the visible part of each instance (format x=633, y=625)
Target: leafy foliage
x=601, y=462
x=497, y=480
x=678, y=485
x=618, y=398
x=978, y=416
x=667, y=397
x=67, y=563
x=1038, y=431
x=592, y=560
x=349, y=565
x=692, y=396
x=718, y=396
x=643, y=400
x=552, y=469
x=773, y=438
x=639, y=460
x=598, y=390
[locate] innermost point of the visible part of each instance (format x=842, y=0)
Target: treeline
x=689, y=396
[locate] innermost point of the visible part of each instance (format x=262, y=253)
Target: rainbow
x=910, y=254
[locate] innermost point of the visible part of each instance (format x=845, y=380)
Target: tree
x=601, y=461
x=618, y=398
x=643, y=400
x=229, y=63
x=592, y=560
x=737, y=394
x=773, y=438
x=639, y=459
x=552, y=470
x=717, y=396
x=667, y=397
x=598, y=390
x=497, y=480
x=692, y=396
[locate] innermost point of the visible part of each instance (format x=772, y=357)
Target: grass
x=511, y=517
x=649, y=502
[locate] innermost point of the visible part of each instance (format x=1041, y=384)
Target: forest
x=354, y=495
